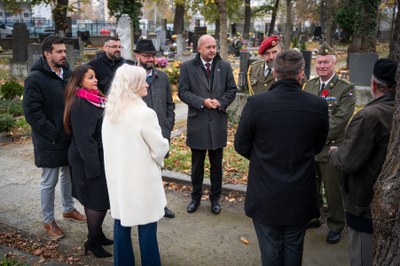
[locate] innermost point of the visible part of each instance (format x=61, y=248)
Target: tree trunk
x=364, y=38
x=247, y=19
x=217, y=28
x=288, y=26
x=60, y=17
x=273, y=18
x=395, y=38
x=179, y=18
x=323, y=18
x=329, y=21
x=386, y=202
x=223, y=40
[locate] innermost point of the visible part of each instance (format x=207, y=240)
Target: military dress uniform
x=256, y=79
x=341, y=100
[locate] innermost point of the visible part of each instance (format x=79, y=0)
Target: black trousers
x=215, y=158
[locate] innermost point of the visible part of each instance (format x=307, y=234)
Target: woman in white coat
x=134, y=150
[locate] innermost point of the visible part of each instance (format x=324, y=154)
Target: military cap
x=385, y=71
x=325, y=49
x=268, y=43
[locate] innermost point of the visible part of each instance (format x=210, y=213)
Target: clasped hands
x=211, y=103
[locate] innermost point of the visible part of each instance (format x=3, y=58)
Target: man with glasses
x=159, y=95
x=108, y=62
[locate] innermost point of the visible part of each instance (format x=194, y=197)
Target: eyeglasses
x=148, y=56
x=115, y=46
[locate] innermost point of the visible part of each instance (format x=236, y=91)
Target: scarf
x=92, y=96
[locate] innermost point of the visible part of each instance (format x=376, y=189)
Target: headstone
x=162, y=38
x=307, y=67
x=198, y=32
x=153, y=37
x=164, y=24
x=317, y=33
x=361, y=66
x=243, y=66
x=233, y=29
x=124, y=31
x=180, y=44
x=20, y=38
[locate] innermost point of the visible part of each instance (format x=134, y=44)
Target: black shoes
x=192, y=207
x=333, y=237
x=314, y=223
x=215, y=207
x=96, y=249
x=168, y=213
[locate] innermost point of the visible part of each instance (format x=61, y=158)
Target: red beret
x=270, y=42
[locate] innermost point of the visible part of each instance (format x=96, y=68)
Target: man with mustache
x=43, y=104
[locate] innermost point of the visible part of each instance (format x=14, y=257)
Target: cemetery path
x=201, y=238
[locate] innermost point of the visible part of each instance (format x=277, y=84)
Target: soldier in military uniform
x=341, y=100
x=259, y=74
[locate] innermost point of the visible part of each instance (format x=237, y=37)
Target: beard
x=147, y=66
x=60, y=64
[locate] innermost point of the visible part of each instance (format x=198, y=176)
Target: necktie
x=266, y=72
x=208, y=70
x=148, y=79
x=322, y=87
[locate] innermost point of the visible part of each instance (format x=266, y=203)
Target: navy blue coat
x=280, y=131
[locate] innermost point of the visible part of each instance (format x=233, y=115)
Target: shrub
x=13, y=107
x=6, y=122
x=11, y=89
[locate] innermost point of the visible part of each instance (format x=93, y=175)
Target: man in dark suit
x=207, y=86
x=280, y=132
x=159, y=95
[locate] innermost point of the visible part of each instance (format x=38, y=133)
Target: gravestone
x=307, y=67
x=361, y=66
x=198, y=32
x=243, y=67
x=317, y=33
x=153, y=37
x=20, y=38
x=180, y=44
x=124, y=31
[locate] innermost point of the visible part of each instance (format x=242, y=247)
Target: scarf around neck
x=92, y=96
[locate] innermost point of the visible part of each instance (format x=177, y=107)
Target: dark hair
x=74, y=82
x=288, y=64
x=111, y=38
x=47, y=44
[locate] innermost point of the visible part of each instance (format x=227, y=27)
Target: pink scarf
x=92, y=96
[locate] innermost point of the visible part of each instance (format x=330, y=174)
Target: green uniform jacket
x=255, y=78
x=341, y=100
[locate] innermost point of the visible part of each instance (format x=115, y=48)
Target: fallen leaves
x=244, y=240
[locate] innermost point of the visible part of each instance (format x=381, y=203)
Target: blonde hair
x=128, y=79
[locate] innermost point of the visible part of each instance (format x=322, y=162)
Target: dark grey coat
x=206, y=128
x=159, y=98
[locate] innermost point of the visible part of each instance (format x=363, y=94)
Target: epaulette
x=258, y=62
x=344, y=81
x=315, y=78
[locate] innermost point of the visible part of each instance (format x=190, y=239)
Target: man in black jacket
x=43, y=104
x=280, y=131
x=361, y=157
x=108, y=62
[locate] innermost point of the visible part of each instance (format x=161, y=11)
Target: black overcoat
x=86, y=156
x=206, y=128
x=43, y=105
x=280, y=131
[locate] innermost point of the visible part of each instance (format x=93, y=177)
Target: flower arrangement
x=173, y=72
x=161, y=62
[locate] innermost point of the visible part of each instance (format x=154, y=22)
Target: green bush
x=6, y=122
x=13, y=107
x=11, y=89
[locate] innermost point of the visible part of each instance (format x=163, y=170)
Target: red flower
x=324, y=93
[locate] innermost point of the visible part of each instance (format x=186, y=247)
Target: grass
x=235, y=167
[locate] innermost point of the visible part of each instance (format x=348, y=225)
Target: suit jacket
x=159, y=98
x=341, y=100
x=280, y=132
x=206, y=128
